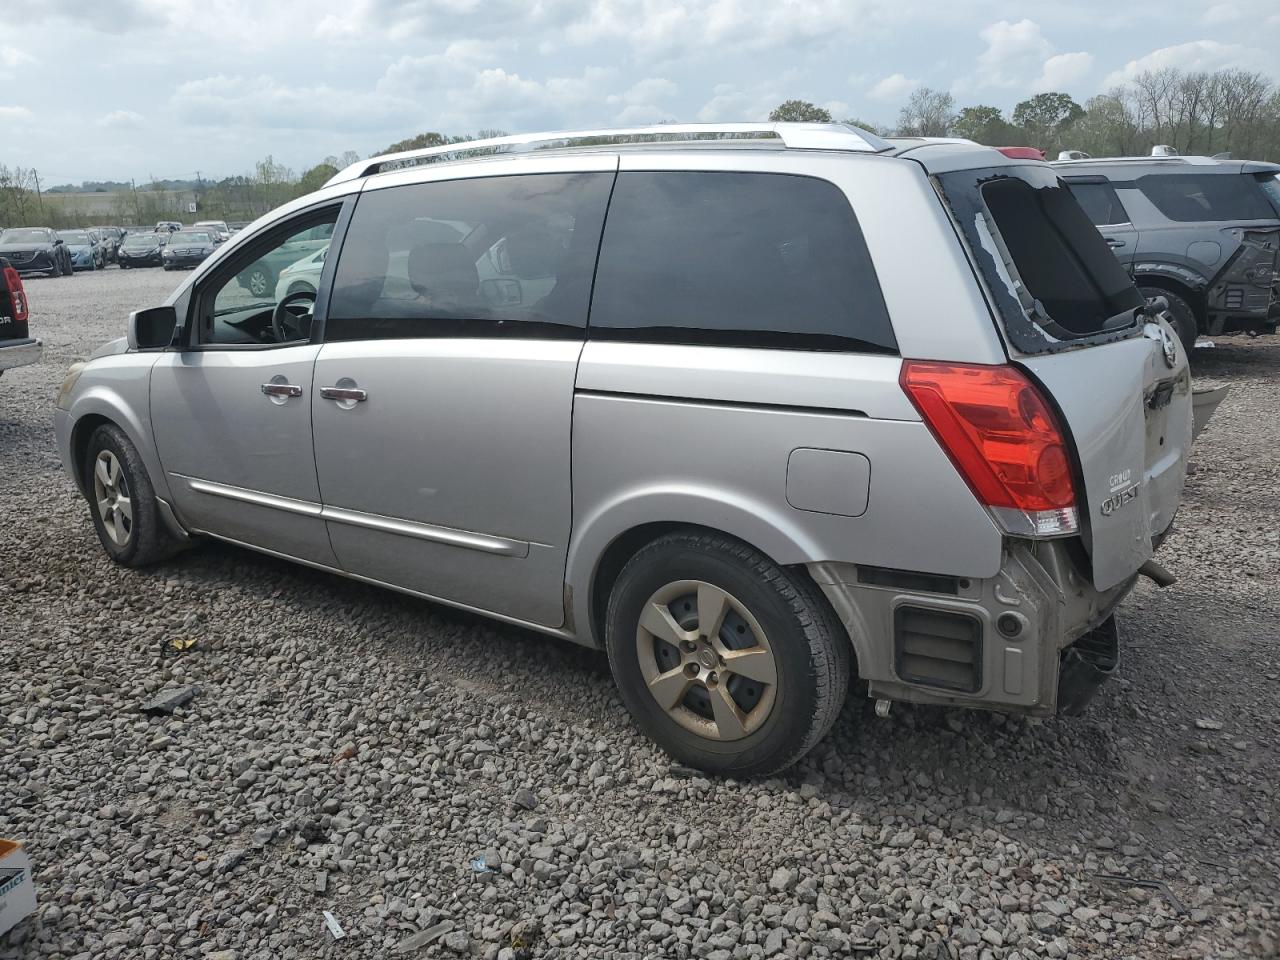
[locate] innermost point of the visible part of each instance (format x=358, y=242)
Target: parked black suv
x=1202, y=233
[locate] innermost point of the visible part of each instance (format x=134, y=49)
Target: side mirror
x=150, y=329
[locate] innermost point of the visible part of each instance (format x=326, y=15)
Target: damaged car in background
x=679, y=394
x=1201, y=232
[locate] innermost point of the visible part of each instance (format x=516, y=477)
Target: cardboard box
x=17, y=892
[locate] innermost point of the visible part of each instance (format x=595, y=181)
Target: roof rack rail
x=790, y=136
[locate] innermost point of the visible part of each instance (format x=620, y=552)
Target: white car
x=218, y=228
x=304, y=275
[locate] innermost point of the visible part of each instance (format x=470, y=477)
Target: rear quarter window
x=1189, y=198
x=737, y=259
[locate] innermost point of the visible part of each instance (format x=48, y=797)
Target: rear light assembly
x=1004, y=439
x=17, y=295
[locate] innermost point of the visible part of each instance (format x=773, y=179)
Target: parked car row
x=688, y=403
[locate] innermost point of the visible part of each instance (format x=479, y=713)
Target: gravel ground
x=356, y=751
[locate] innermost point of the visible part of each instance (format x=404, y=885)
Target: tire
x=258, y=281
x=1181, y=314
x=130, y=528
x=744, y=725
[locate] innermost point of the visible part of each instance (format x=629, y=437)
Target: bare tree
x=928, y=113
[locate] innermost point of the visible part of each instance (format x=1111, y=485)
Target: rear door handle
x=282, y=390
x=349, y=394
x=1113, y=242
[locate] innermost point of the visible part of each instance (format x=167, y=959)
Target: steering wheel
x=286, y=319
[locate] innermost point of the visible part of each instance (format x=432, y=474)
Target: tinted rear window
x=750, y=259
x=1100, y=203
x=1060, y=257
x=1190, y=197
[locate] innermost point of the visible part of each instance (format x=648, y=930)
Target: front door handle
x=282, y=390
x=347, y=394
x=1113, y=242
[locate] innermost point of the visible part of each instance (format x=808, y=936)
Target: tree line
x=1193, y=111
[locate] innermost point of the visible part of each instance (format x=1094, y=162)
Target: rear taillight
x=17, y=296
x=1003, y=438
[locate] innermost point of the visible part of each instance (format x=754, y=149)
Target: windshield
x=74, y=237
x=145, y=241
x=1054, y=278
x=188, y=237
x=24, y=236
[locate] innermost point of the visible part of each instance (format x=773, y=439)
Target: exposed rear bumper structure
x=1036, y=639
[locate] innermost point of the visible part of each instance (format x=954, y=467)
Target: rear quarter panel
x=690, y=435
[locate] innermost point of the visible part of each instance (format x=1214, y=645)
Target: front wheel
x=122, y=500
x=728, y=662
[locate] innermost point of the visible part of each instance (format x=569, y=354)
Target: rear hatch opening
x=1074, y=323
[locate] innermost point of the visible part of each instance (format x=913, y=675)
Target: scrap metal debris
x=335, y=928
x=1158, y=885
x=423, y=937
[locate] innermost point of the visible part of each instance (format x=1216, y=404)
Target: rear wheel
x=728, y=662
x=122, y=501
x=1181, y=314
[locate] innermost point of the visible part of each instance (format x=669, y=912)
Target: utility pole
x=137, y=206
x=39, y=196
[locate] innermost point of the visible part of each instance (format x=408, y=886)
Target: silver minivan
x=756, y=409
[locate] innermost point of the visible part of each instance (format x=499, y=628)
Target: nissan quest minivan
x=757, y=409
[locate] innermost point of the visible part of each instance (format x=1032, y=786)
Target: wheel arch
x=98, y=407
x=1182, y=282
x=605, y=544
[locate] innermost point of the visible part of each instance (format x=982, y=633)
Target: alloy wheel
x=706, y=660
x=111, y=495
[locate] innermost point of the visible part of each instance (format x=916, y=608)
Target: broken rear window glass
x=1193, y=197
x=1073, y=286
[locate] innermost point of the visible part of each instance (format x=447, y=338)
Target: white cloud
x=15, y=113
x=11, y=57
x=121, y=120
x=731, y=103
x=1221, y=13
x=1013, y=51
x=1196, y=55
x=893, y=87
x=1063, y=71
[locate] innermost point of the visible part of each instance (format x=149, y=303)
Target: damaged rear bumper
x=1036, y=639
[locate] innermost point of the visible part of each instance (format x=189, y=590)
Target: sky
x=114, y=89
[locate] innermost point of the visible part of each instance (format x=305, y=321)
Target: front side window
x=265, y=295
x=1193, y=197
x=746, y=259
x=1100, y=203
x=491, y=256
